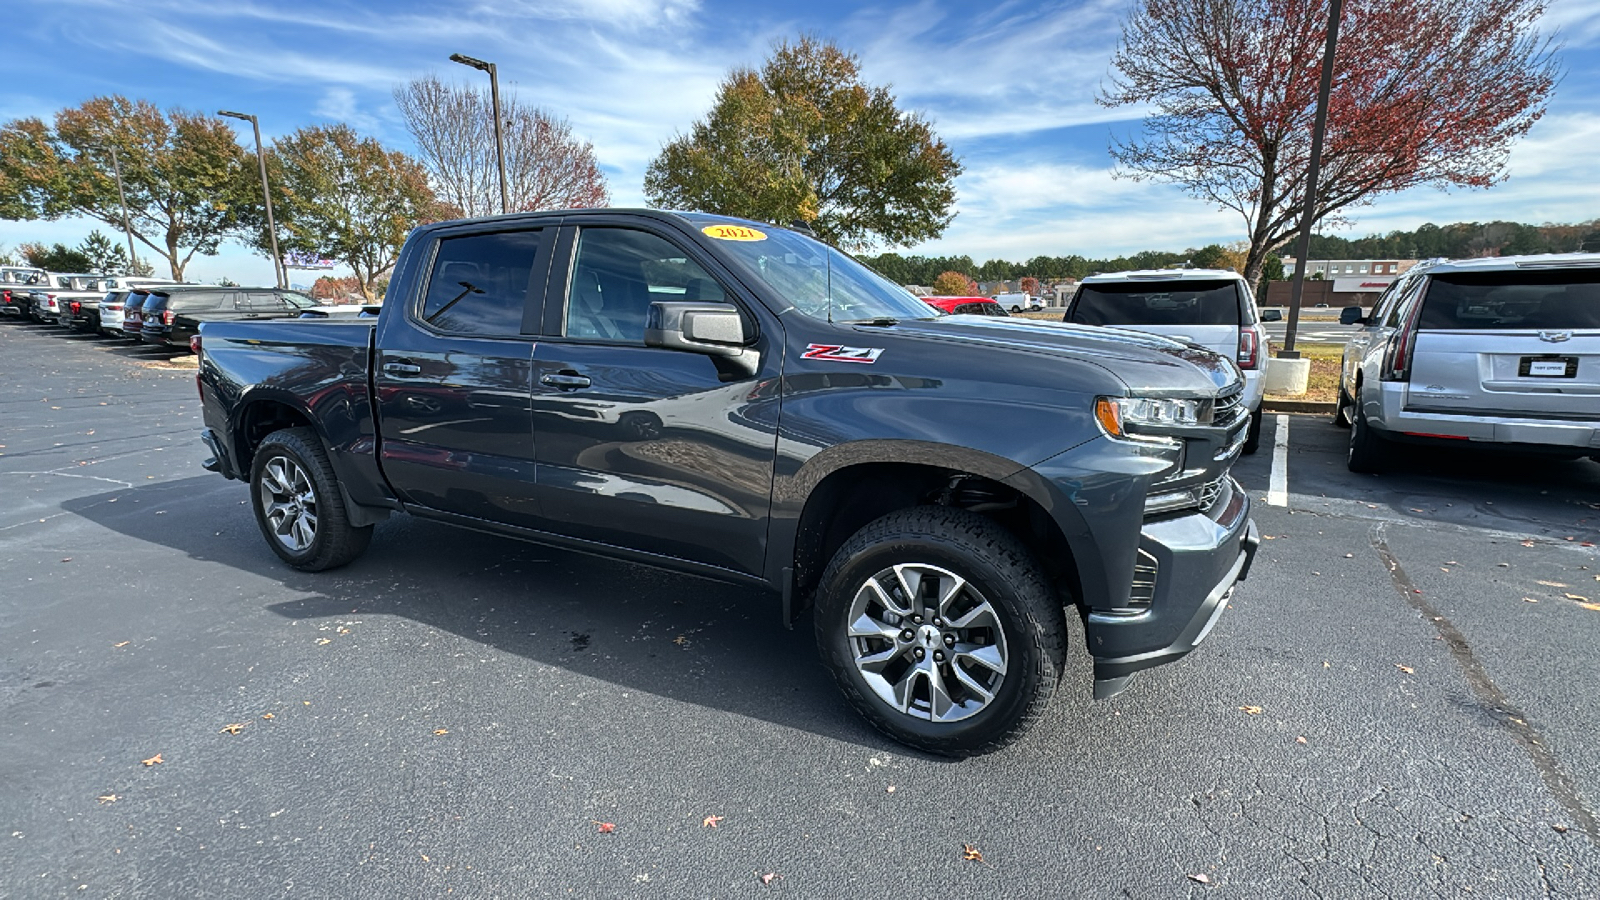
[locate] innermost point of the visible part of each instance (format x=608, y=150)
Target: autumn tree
x=343, y=197
x=1029, y=285
x=57, y=258
x=806, y=139
x=953, y=284
x=184, y=174
x=1424, y=92
x=453, y=127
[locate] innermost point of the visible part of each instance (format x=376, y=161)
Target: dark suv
x=173, y=315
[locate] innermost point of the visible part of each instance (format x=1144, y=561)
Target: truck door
x=453, y=376
x=640, y=447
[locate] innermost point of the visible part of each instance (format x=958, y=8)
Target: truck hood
x=1148, y=364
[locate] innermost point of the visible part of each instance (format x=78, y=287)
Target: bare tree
x=453, y=126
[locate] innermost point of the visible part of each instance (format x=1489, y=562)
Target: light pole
x=266, y=194
x=499, y=137
x=116, y=166
x=1318, y=126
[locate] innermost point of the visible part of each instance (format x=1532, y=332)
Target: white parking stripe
x=1278, y=489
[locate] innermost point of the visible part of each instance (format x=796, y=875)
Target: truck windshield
x=819, y=280
x=1554, y=300
x=1156, y=303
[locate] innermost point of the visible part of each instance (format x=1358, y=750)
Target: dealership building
x=1338, y=283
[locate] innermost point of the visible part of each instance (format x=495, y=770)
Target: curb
x=1297, y=406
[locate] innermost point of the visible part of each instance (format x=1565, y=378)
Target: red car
x=967, y=306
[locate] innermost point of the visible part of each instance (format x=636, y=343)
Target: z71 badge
x=836, y=353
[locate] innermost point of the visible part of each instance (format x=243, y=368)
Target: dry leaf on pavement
x=123, y=644
x=232, y=728
x=711, y=821
x=1551, y=583
x=604, y=827
x=154, y=760
x=768, y=878
x=970, y=853
x=1202, y=878
x=441, y=731
x=268, y=716
x=1252, y=710
x=1406, y=669
x=108, y=798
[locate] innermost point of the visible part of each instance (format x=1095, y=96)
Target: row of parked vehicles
x=150, y=310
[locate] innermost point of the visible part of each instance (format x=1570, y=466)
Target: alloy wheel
x=289, y=503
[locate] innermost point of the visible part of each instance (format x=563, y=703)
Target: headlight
x=1116, y=414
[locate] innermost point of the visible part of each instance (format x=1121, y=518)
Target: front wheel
x=941, y=630
x=297, y=503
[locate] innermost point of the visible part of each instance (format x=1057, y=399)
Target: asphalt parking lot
x=1401, y=701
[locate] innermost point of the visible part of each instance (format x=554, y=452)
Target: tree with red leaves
x=1424, y=92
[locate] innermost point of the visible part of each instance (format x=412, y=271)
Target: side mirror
x=1352, y=315
x=1272, y=315
x=712, y=329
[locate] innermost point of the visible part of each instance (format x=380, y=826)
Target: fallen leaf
x=1592, y=607
x=1268, y=537
x=1550, y=583
x=1300, y=740
x=681, y=641
x=154, y=760
x=1578, y=598
x=711, y=821
x=424, y=856
x=970, y=853
x=1406, y=669
x=1559, y=829
x=1325, y=665
x=1252, y=710
x=1202, y=878
x=233, y=728
x=1527, y=543
x=1529, y=600
x=1349, y=556
x=268, y=716
x=123, y=644
x=1503, y=565
x=321, y=641
x=66, y=559
x=605, y=827
x=768, y=878
x=108, y=798
x=889, y=789
x=441, y=731
x=1413, y=509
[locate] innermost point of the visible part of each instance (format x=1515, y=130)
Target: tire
x=1012, y=616
x=1341, y=408
x=1252, y=441
x=1016, y=309
x=291, y=477
x=1367, y=450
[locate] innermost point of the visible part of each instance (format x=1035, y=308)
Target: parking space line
x=1278, y=487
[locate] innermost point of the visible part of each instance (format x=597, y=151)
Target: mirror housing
x=711, y=329
x=1352, y=315
x=1272, y=315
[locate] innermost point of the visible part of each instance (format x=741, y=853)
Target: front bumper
x=1194, y=562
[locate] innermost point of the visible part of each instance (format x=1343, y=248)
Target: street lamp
x=499, y=138
x=266, y=193
x=116, y=166
x=1318, y=126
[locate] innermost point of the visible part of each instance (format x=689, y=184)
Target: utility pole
x=122, y=197
x=499, y=136
x=1319, y=126
x=279, y=276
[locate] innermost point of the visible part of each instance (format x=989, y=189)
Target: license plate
x=1548, y=367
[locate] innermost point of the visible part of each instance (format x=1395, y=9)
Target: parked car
x=83, y=314
x=45, y=300
x=740, y=401
x=966, y=306
x=172, y=315
x=16, y=283
x=1501, y=352
x=1214, y=308
x=1018, y=302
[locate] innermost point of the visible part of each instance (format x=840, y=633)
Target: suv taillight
x=1249, y=349
x=1397, y=356
x=76, y=306
x=167, y=316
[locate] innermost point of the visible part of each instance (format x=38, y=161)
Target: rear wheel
x=297, y=503
x=1252, y=441
x=1341, y=407
x=941, y=630
x=1367, y=449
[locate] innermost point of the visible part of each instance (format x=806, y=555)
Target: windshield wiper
x=879, y=321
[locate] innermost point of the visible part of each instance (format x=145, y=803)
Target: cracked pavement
x=572, y=691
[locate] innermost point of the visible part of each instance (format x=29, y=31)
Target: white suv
x=1210, y=307
x=1502, y=351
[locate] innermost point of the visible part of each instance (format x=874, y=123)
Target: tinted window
x=481, y=283
x=196, y=301
x=262, y=302
x=980, y=309
x=1401, y=302
x=1156, y=303
x=1556, y=300
x=297, y=300
x=619, y=273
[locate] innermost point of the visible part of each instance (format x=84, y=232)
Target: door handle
x=395, y=368
x=565, y=380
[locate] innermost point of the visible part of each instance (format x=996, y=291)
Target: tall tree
x=185, y=176
x=453, y=127
x=805, y=139
x=345, y=198
x=953, y=284
x=105, y=255
x=59, y=258
x=1424, y=92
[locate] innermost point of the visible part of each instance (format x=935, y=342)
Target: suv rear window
x=1555, y=299
x=1157, y=303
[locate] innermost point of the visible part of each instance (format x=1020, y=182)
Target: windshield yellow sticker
x=733, y=233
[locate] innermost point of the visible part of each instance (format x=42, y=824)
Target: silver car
x=1502, y=351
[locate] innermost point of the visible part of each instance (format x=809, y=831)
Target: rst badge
x=836, y=353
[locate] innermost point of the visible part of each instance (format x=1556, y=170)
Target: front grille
x=1223, y=409
x=1210, y=492
x=1145, y=571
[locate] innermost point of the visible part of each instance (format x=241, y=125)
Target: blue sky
x=1009, y=85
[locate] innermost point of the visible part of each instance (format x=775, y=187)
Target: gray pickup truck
x=739, y=401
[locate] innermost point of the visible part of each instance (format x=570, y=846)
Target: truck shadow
x=683, y=638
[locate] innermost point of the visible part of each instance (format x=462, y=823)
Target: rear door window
x=1554, y=300
x=262, y=302
x=483, y=284
x=196, y=301
x=1157, y=303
